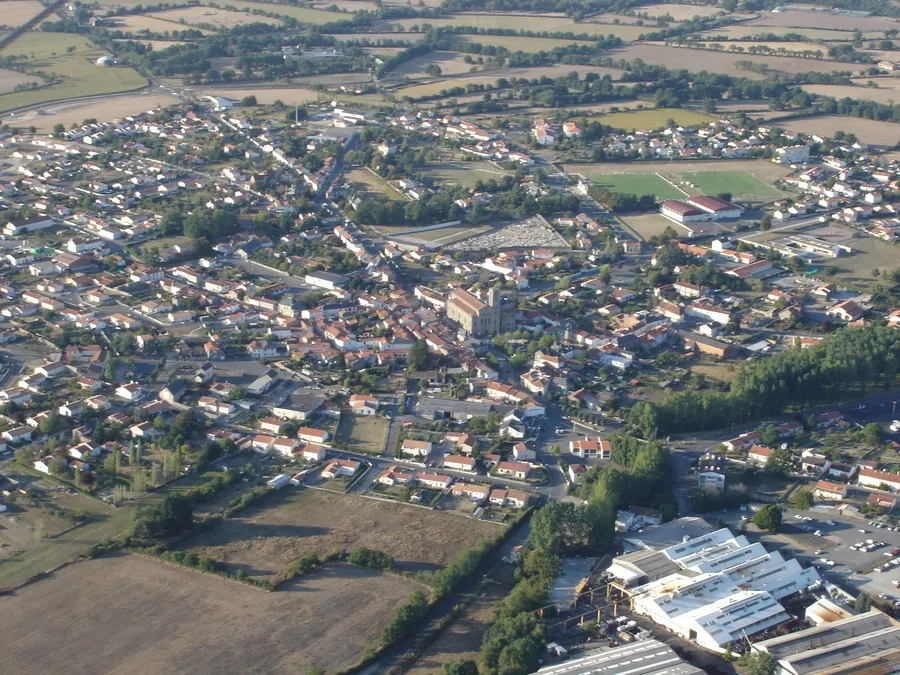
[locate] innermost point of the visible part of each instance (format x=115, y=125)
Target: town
x=473, y=388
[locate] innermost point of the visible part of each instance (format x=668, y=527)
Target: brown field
x=451, y=63
x=221, y=18
x=537, y=23
x=17, y=12
x=464, y=173
x=347, y=5
x=159, y=45
x=462, y=639
x=107, y=110
x=648, y=225
x=787, y=46
x=157, y=24
x=888, y=91
x=723, y=62
x=872, y=132
x=745, y=30
x=721, y=372
x=10, y=79
x=826, y=20
x=516, y=43
x=679, y=12
x=291, y=96
x=265, y=540
x=159, y=618
x=377, y=38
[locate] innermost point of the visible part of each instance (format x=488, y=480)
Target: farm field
x=348, y=5
x=158, y=45
x=654, y=118
x=466, y=174
x=377, y=38
x=648, y=225
x=803, y=19
x=536, y=23
x=872, y=132
x=450, y=63
x=109, y=109
x=679, y=12
x=10, y=79
x=81, y=76
x=157, y=24
x=434, y=88
x=363, y=433
x=722, y=62
x=170, y=619
x=639, y=184
x=515, y=43
x=219, y=18
x=303, y=14
x=17, y=12
x=887, y=91
x=744, y=31
x=265, y=540
x=289, y=95
x=746, y=45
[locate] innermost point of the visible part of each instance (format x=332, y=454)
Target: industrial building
x=712, y=589
x=865, y=643
x=699, y=208
x=647, y=657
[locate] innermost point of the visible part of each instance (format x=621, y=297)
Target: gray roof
x=793, y=644
x=428, y=407
x=327, y=276
x=302, y=401
x=654, y=564
x=647, y=657
x=668, y=534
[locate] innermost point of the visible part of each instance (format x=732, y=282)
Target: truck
x=895, y=425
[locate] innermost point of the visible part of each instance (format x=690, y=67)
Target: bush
x=365, y=557
x=407, y=618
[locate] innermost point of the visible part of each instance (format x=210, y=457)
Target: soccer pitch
x=638, y=184
x=741, y=184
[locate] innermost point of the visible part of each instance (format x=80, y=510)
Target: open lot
x=654, y=118
x=365, y=433
x=374, y=184
x=723, y=62
x=265, y=540
x=80, y=74
x=17, y=12
x=220, y=18
x=288, y=95
x=169, y=619
x=872, y=132
x=648, y=225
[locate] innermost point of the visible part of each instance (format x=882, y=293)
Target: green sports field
x=638, y=184
x=741, y=184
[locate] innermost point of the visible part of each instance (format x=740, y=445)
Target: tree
x=761, y=663
x=520, y=657
x=802, y=499
x=642, y=420
x=418, y=356
x=559, y=526
x=862, y=603
x=768, y=518
x=871, y=435
x=467, y=667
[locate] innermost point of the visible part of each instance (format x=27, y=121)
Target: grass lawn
x=71, y=57
x=362, y=433
x=639, y=184
x=740, y=184
x=655, y=118
x=375, y=184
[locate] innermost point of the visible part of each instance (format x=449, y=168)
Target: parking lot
x=832, y=550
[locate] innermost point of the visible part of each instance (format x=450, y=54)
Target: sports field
x=639, y=184
x=741, y=184
x=654, y=118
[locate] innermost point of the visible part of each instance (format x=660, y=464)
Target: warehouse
x=682, y=212
x=718, y=209
x=647, y=657
x=724, y=588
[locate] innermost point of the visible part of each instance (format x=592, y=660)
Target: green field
x=362, y=433
x=638, y=184
x=741, y=184
x=81, y=76
x=655, y=118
